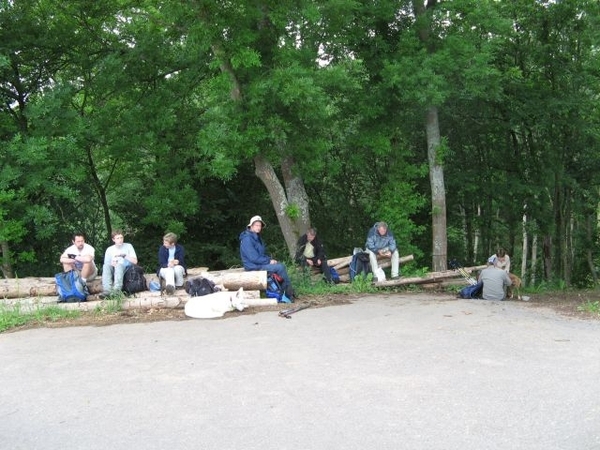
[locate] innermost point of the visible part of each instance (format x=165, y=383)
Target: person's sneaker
x=170, y=289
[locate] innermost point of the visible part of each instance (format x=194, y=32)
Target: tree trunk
x=436, y=170
x=7, y=268
x=438, y=193
x=289, y=227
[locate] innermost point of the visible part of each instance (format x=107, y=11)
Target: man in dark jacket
x=311, y=253
x=253, y=252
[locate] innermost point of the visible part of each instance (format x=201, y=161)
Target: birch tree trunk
x=7, y=268
x=438, y=193
x=436, y=169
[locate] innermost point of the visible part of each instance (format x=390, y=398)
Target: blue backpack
x=275, y=288
x=335, y=276
x=359, y=265
x=472, y=291
x=70, y=287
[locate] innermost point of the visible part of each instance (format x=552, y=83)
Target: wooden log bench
x=231, y=280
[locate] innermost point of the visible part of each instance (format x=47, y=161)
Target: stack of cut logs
x=33, y=292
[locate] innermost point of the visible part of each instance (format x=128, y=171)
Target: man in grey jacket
x=495, y=281
x=381, y=243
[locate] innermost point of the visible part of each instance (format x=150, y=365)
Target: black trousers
x=323, y=267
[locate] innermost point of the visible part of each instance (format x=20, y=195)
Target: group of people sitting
x=119, y=256
x=172, y=269
x=311, y=252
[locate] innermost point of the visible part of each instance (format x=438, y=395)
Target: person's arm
x=392, y=242
x=370, y=244
x=180, y=256
x=65, y=258
x=300, y=246
x=130, y=254
x=163, y=257
x=319, y=249
x=108, y=256
x=507, y=259
x=251, y=254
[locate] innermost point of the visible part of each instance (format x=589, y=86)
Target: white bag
x=379, y=274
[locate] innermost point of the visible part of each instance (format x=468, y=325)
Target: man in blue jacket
x=381, y=243
x=253, y=252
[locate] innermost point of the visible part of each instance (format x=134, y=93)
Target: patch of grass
x=590, y=307
x=111, y=304
x=16, y=316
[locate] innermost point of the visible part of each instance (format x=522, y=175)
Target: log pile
x=31, y=293
x=231, y=280
x=342, y=266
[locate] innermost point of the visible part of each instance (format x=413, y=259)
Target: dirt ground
x=564, y=303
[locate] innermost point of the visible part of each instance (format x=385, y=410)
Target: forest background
x=466, y=125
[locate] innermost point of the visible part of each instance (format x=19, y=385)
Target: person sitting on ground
x=495, y=280
x=80, y=257
x=253, y=253
x=502, y=260
x=381, y=243
x=171, y=263
x=311, y=253
x=117, y=258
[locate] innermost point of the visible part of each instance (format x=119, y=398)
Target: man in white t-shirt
x=80, y=257
x=116, y=259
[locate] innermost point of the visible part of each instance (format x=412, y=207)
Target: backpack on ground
x=359, y=265
x=472, y=291
x=70, y=287
x=335, y=276
x=134, y=280
x=199, y=286
x=276, y=289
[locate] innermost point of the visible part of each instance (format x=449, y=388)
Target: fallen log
x=432, y=277
x=340, y=263
x=345, y=269
x=45, y=286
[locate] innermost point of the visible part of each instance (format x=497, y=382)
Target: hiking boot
x=170, y=289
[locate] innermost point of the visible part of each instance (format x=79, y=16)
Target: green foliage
x=590, y=306
x=292, y=211
x=111, y=304
x=120, y=114
x=17, y=315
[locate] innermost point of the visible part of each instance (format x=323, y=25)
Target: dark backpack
x=335, y=276
x=134, y=280
x=276, y=289
x=70, y=287
x=199, y=286
x=472, y=291
x=359, y=265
